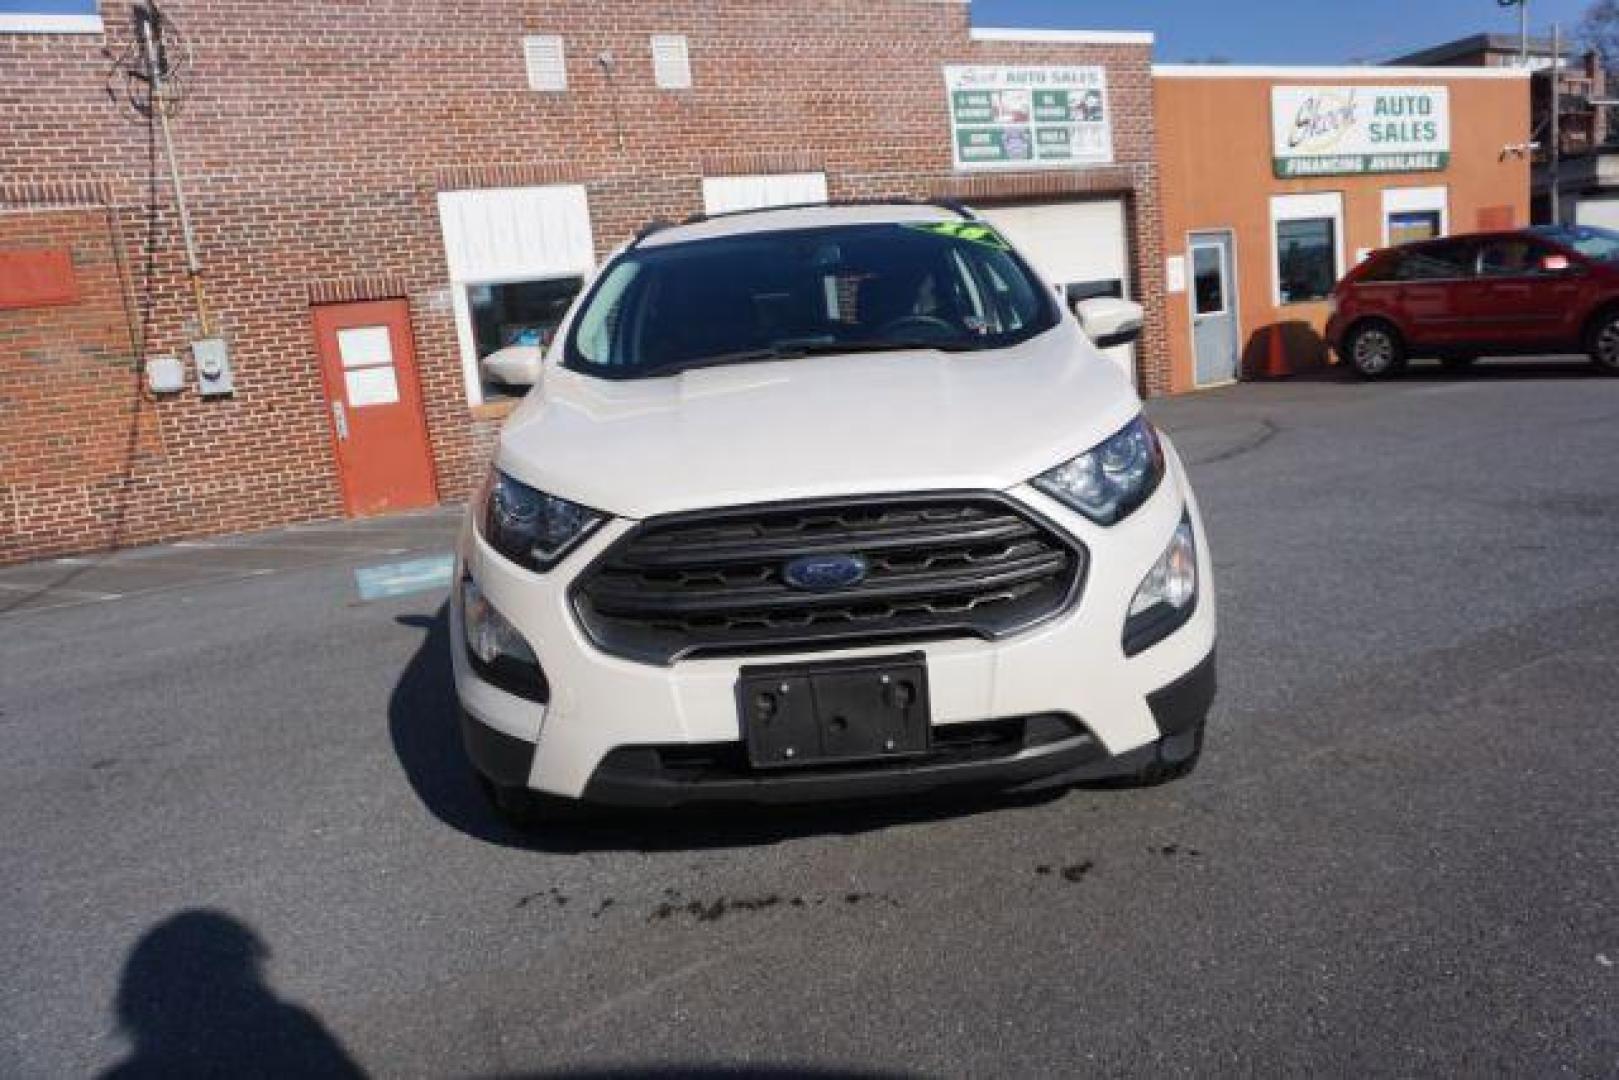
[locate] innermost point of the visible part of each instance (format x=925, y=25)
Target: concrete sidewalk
x=395, y=553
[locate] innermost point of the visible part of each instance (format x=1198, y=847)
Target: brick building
x=384, y=193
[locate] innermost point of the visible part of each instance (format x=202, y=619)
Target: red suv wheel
x=1374, y=350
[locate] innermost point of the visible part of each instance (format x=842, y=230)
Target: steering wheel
x=927, y=324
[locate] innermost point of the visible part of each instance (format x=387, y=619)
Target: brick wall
x=314, y=140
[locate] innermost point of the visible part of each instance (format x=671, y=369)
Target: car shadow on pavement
x=422, y=724
x=193, y=1001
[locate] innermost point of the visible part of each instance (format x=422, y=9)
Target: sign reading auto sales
x=1348, y=130
x=1029, y=118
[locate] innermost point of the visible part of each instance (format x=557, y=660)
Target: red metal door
x=374, y=405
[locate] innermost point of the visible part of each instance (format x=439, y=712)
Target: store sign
x=1023, y=118
x=1349, y=130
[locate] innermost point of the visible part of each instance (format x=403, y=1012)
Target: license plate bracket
x=837, y=712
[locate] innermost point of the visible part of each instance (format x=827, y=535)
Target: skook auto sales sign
x=1350, y=130
x=1022, y=118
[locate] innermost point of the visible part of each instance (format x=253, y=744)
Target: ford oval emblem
x=824, y=573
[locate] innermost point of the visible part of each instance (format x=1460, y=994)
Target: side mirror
x=515, y=365
x=1109, y=322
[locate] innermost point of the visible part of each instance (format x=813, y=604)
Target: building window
x=512, y=320
x=50, y=17
x=1305, y=259
x=1208, y=280
x=1411, y=215
x=671, y=62
x=1414, y=226
x=1309, y=236
x=546, y=61
x=516, y=257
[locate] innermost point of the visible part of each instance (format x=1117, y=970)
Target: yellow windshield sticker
x=974, y=232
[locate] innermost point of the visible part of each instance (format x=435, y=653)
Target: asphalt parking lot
x=239, y=832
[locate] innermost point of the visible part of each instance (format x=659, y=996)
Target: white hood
x=818, y=426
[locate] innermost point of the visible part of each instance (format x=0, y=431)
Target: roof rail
x=651, y=228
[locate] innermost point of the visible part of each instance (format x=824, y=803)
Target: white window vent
x=546, y=61
x=671, y=62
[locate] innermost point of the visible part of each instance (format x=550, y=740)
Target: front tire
x=1374, y=350
x=1603, y=344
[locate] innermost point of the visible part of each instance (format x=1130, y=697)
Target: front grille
x=711, y=584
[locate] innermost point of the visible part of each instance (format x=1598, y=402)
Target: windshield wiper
x=799, y=350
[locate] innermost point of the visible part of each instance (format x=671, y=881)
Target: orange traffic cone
x=1276, y=365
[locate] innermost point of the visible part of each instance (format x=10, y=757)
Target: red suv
x=1552, y=289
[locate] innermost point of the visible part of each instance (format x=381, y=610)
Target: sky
x=1282, y=31
x=1242, y=31
x=48, y=7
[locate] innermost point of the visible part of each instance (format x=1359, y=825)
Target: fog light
x=497, y=652
x=1167, y=596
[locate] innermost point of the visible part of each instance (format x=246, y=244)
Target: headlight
x=533, y=529
x=1109, y=482
x=496, y=650
x=1167, y=596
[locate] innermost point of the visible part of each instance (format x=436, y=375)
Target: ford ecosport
x=829, y=502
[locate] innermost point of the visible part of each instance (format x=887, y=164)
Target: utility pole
x=148, y=23
x=1557, y=124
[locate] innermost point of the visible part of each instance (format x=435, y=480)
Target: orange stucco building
x=1275, y=181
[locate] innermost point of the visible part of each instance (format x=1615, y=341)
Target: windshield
x=1593, y=243
x=954, y=286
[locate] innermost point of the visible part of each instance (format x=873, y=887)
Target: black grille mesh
x=711, y=584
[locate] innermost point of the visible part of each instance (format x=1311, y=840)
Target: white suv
x=829, y=502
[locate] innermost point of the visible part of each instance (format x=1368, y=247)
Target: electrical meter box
x=212, y=357
x=165, y=374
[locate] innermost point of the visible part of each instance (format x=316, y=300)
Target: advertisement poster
x=1021, y=118
x=1356, y=130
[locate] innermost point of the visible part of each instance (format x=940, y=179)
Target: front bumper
x=612, y=724
x=1025, y=754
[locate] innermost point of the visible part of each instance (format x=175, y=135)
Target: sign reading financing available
x=1021, y=118
x=1348, y=130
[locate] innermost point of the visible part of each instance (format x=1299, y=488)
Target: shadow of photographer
x=193, y=1001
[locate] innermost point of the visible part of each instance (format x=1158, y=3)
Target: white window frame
x=45, y=22
x=671, y=61
x=1416, y=200
x=1322, y=204
x=533, y=44
x=760, y=191
x=573, y=257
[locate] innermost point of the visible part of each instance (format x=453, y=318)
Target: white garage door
x=1079, y=247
